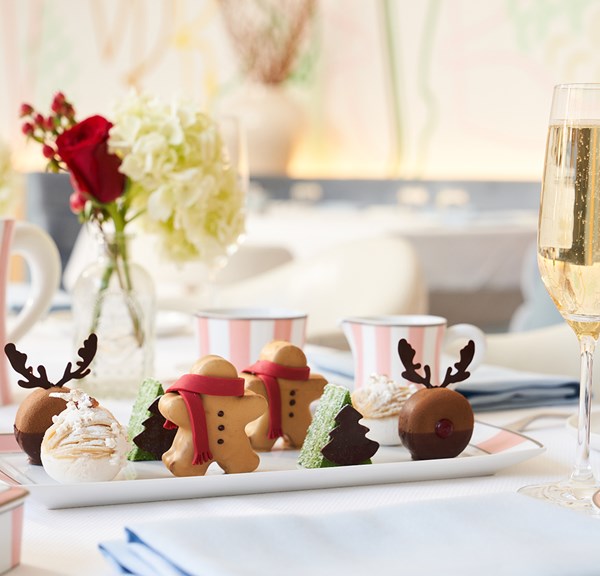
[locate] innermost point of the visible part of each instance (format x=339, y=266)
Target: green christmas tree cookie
x=326, y=420
x=147, y=394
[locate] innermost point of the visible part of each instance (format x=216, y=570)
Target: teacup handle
x=43, y=260
x=468, y=332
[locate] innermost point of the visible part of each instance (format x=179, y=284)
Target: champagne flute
x=569, y=257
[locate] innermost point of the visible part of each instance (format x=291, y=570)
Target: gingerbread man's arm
x=255, y=384
x=254, y=406
x=313, y=388
x=173, y=408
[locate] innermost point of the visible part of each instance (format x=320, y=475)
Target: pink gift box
x=11, y=526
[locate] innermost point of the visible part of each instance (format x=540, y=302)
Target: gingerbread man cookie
x=210, y=409
x=282, y=376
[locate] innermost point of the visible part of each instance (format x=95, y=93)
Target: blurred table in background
x=472, y=259
x=472, y=238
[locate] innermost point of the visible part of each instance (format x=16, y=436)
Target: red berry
x=443, y=428
x=48, y=151
x=27, y=128
x=77, y=202
x=59, y=104
x=26, y=110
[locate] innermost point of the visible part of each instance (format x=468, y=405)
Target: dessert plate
x=491, y=450
x=594, y=428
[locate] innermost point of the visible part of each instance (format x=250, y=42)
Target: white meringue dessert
x=85, y=442
x=380, y=401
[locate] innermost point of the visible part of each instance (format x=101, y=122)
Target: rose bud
x=48, y=151
x=27, y=128
x=77, y=202
x=59, y=104
x=49, y=124
x=69, y=111
x=39, y=120
x=26, y=110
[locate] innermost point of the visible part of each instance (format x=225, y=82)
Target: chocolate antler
x=466, y=357
x=86, y=353
x=407, y=355
x=18, y=362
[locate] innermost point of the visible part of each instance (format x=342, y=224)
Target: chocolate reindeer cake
x=435, y=422
x=35, y=413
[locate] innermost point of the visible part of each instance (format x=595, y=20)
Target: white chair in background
x=539, y=339
x=549, y=350
x=251, y=260
x=375, y=276
x=174, y=280
x=537, y=309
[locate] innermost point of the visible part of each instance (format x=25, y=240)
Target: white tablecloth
x=66, y=541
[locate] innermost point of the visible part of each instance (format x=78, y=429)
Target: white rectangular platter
x=491, y=450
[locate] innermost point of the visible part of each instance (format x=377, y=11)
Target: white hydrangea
x=8, y=183
x=180, y=177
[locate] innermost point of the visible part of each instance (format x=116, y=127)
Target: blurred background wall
x=433, y=89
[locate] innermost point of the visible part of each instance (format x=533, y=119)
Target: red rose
x=94, y=170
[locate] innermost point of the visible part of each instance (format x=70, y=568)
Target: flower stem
x=118, y=263
x=108, y=272
x=121, y=259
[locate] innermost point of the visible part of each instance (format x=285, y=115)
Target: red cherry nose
x=443, y=428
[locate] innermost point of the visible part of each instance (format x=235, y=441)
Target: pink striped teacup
x=239, y=334
x=374, y=344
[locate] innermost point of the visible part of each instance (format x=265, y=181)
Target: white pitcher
x=42, y=258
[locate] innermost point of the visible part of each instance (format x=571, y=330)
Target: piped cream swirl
x=86, y=438
x=381, y=397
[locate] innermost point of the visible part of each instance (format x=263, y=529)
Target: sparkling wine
x=569, y=227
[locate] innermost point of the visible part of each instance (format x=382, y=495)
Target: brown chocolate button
x=220, y=441
x=292, y=402
x=292, y=392
x=220, y=413
x=291, y=414
x=221, y=427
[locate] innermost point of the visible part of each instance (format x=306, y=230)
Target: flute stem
x=582, y=470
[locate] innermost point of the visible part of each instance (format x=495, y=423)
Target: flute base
x=568, y=494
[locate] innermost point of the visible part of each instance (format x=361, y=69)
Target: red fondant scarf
x=190, y=386
x=268, y=372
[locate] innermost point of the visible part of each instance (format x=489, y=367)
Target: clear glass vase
x=115, y=298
